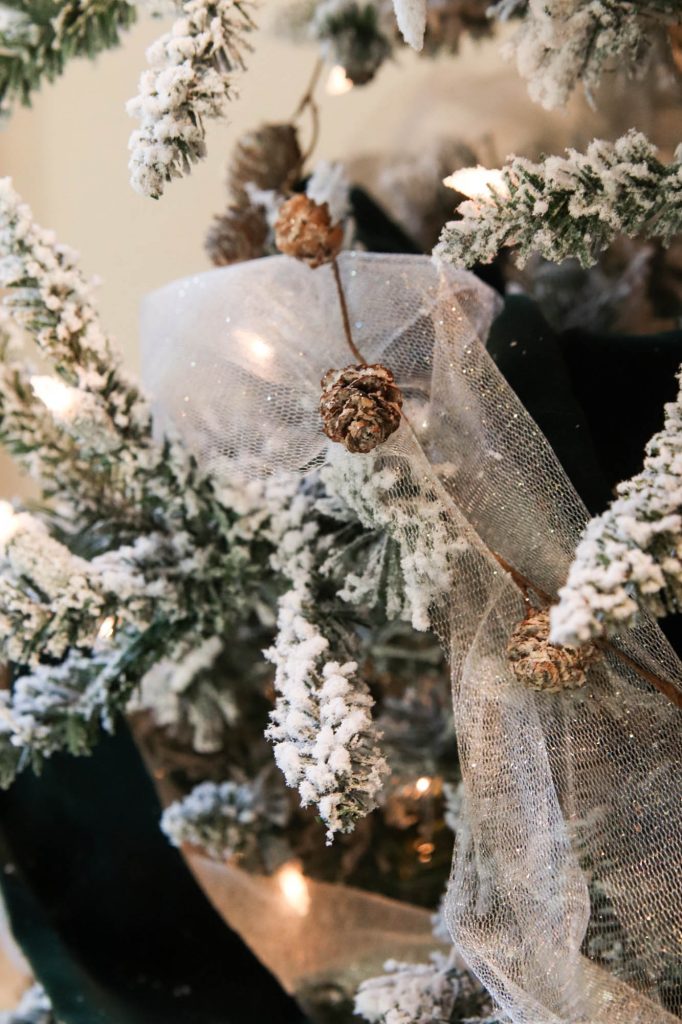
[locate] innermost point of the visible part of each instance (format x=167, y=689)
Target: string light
x=59, y=398
x=424, y=851
x=107, y=627
x=338, y=82
x=294, y=888
x=8, y=522
x=255, y=346
x=423, y=785
x=478, y=182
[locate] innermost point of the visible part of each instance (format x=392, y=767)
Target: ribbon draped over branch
x=572, y=800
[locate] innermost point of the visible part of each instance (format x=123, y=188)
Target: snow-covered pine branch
x=111, y=464
x=189, y=79
x=411, y=18
x=102, y=623
x=562, y=42
x=386, y=497
x=228, y=819
x=37, y=40
x=137, y=542
x=571, y=206
x=324, y=737
x=425, y=993
x=354, y=34
x=49, y=296
x=27, y=430
x=631, y=555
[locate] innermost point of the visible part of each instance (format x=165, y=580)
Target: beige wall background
x=68, y=153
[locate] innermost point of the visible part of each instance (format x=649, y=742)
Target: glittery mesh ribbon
x=565, y=890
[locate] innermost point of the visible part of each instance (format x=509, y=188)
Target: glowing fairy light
x=423, y=785
x=261, y=350
x=256, y=347
x=425, y=852
x=107, y=628
x=59, y=398
x=8, y=522
x=294, y=888
x=477, y=182
x=338, y=82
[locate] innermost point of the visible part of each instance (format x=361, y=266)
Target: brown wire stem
x=308, y=102
x=663, y=686
x=344, y=314
x=309, y=95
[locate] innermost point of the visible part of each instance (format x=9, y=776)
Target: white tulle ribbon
x=573, y=802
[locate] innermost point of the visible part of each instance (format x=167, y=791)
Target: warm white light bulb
x=477, y=182
x=294, y=888
x=8, y=522
x=59, y=398
x=107, y=627
x=338, y=82
x=423, y=784
x=261, y=350
x=256, y=347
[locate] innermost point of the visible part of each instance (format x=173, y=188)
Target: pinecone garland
x=304, y=230
x=360, y=406
x=269, y=158
x=238, y=235
x=541, y=665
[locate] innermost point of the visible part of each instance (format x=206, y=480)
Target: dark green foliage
x=38, y=38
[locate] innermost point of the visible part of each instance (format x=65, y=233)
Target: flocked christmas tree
x=146, y=584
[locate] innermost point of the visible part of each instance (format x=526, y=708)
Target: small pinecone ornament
x=237, y=235
x=541, y=665
x=360, y=406
x=304, y=230
x=269, y=158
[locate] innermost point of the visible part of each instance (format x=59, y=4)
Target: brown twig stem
x=309, y=95
x=308, y=102
x=663, y=686
x=344, y=314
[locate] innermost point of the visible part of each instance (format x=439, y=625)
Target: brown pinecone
x=541, y=665
x=360, y=406
x=237, y=235
x=304, y=230
x=269, y=158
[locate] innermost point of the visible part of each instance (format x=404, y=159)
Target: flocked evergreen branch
x=416, y=571
x=26, y=427
x=563, y=42
x=100, y=441
x=572, y=206
x=38, y=37
x=353, y=34
x=325, y=740
x=136, y=558
x=631, y=555
x=439, y=992
x=228, y=819
x=141, y=567
x=189, y=79
x=48, y=295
